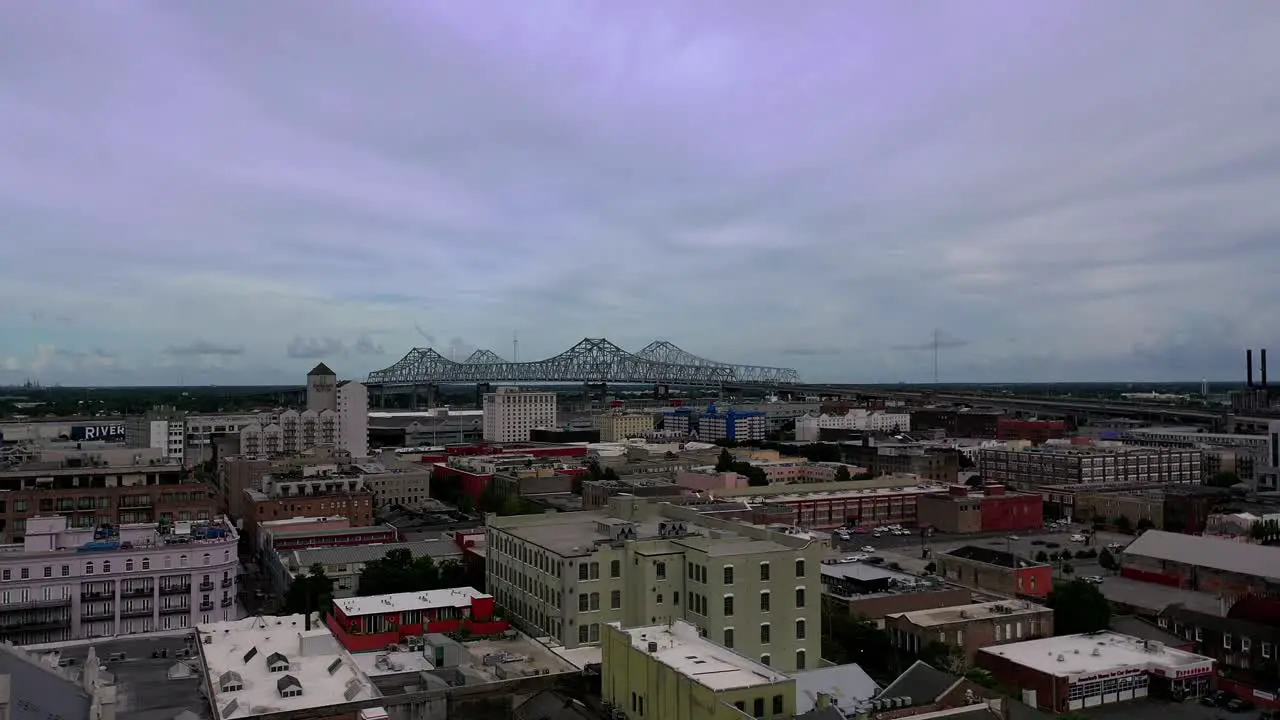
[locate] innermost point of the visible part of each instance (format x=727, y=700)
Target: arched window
x=206, y=558
x=128, y=565
x=182, y=560
x=88, y=568
x=146, y=563
x=106, y=566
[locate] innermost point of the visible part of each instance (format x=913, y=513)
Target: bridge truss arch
x=593, y=360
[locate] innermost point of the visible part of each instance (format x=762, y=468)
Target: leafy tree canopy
x=310, y=593
x=1078, y=607
x=398, y=571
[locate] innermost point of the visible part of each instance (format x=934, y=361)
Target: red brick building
x=995, y=570
x=1208, y=564
x=989, y=509
x=365, y=624
x=1036, y=431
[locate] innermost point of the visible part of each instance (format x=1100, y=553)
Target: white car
x=867, y=549
x=1093, y=579
x=1077, y=538
x=856, y=558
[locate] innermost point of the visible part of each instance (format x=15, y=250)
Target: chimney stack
x=1248, y=364
x=1262, y=366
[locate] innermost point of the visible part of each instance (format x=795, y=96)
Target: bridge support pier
x=481, y=390
x=661, y=391
x=423, y=392
x=590, y=390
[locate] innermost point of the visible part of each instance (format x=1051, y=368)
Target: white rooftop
x=679, y=647
x=404, y=602
x=1073, y=655
x=239, y=656
x=973, y=611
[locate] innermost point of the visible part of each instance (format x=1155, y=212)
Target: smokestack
x=1262, y=365
x=1248, y=364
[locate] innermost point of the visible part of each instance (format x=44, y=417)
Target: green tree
x=942, y=656
x=849, y=640
x=842, y=474
x=399, y=571
x=980, y=677
x=1078, y=607
x=1108, y=561
x=1067, y=568
x=725, y=462
x=1042, y=557
x=1122, y=523
x=1224, y=479
x=310, y=593
x=1144, y=525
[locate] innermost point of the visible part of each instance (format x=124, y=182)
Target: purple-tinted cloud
x=745, y=179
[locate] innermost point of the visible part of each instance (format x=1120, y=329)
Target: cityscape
x=688, y=361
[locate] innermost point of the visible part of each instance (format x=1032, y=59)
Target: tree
x=1224, y=479
x=399, y=571
x=974, y=481
x=1144, y=525
x=310, y=593
x=1042, y=557
x=1078, y=607
x=931, y=568
x=856, y=640
x=842, y=474
x=980, y=677
x=942, y=656
x=1122, y=523
x=1266, y=532
x=1067, y=568
x=1108, y=561
x=725, y=462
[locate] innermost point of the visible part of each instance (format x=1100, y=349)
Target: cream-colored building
x=670, y=671
x=616, y=427
x=746, y=588
x=509, y=414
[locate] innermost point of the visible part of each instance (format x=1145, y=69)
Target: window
x=660, y=569
x=800, y=568
x=799, y=597
x=205, y=558
x=800, y=659
x=764, y=634
x=777, y=704
x=659, y=598
x=66, y=571
x=764, y=601
x=728, y=574
x=48, y=571
x=1226, y=640
x=800, y=629
x=1266, y=649
x=25, y=573
x=595, y=601
x=88, y=568
x=584, y=602
x=765, y=660
x=182, y=561
x=759, y=707
x=764, y=572
x=1246, y=644
x=582, y=571
x=146, y=563
x=583, y=635
x=615, y=568
x=594, y=569
x=728, y=606
x=728, y=637
x=128, y=565
x=615, y=600
x=8, y=574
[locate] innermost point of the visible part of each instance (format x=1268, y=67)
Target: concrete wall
x=37, y=693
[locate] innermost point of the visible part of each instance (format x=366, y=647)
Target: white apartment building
x=67, y=583
x=616, y=427
x=807, y=426
x=509, y=414
x=567, y=575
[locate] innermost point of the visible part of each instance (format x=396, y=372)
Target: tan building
x=616, y=427
x=969, y=628
x=568, y=575
x=285, y=497
x=509, y=414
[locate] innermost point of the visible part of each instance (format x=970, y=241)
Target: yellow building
x=618, y=426
x=670, y=672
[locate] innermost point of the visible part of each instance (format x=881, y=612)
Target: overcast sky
x=229, y=191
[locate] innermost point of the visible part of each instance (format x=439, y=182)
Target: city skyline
x=200, y=194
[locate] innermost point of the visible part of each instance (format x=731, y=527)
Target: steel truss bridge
x=593, y=361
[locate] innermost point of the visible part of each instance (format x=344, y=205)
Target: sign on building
x=105, y=433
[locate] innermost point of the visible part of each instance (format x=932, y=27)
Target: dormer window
x=277, y=662
x=230, y=681
x=289, y=686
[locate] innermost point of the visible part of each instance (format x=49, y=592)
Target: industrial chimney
x=1262, y=365
x=1248, y=364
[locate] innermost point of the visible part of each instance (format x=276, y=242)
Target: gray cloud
x=1057, y=184
x=366, y=345
x=810, y=351
x=204, y=348
x=314, y=348
x=943, y=341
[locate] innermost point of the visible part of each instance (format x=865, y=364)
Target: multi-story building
x=989, y=509
x=970, y=627
x=161, y=429
x=397, y=484
x=891, y=458
x=737, y=425
x=282, y=536
x=817, y=506
x=618, y=426
x=679, y=421
x=1208, y=564
x=673, y=671
x=373, y=622
x=1035, y=431
x=859, y=589
x=808, y=427
x=749, y=589
x=292, y=496
x=509, y=414
x=65, y=583
x=959, y=423
x=93, y=496
x=35, y=688
x=1269, y=476
x=1032, y=468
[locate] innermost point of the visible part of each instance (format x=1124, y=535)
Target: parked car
x=1239, y=705
x=867, y=549
x=1093, y=579
x=1078, y=538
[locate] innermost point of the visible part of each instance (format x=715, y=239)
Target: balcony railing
x=228, y=602
x=34, y=604
x=175, y=589
x=35, y=625
x=138, y=592
x=228, y=582
x=207, y=605
x=206, y=586
x=96, y=595
x=175, y=609
x=137, y=612
x=99, y=614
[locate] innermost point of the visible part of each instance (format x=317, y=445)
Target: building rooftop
x=1209, y=552
x=1073, y=655
x=258, y=665
x=681, y=648
x=975, y=611
x=353, y=554
x=577, y=533
x=999, y=558
x=403, y=602
x=840, y=494
x=50, y=535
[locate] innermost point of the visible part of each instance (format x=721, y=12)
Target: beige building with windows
x=616, y=427
x=749, y=589
x=509, y=414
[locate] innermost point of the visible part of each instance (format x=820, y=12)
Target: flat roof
x=1209, y=552
x=681, y=648
x=237, y=655
x=973, y=611
x=1083, y=655
x=351, y=554
x=841, y=494
x=404, y=602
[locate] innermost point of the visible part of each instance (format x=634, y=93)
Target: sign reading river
x=108, y=433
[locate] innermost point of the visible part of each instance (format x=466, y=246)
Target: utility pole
x=515, y=346
x=935, y=356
